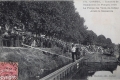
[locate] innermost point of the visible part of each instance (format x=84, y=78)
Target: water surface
x=98, y=71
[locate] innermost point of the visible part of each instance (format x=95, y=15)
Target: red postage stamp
x=8, y=71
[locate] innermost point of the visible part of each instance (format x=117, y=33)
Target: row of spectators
x=16, y=40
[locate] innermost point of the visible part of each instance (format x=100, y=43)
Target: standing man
x=73, y=50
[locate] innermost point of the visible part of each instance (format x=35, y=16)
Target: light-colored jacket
x=73, y=49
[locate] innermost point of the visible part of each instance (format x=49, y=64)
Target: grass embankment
x=97, y=57
x=32, y=63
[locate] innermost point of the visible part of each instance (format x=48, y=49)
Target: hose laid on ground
x=46, y=51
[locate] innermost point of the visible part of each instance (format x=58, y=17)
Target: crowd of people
x=81, y=50
x=17, y=38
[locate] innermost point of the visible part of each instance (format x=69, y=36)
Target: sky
x=105, y=23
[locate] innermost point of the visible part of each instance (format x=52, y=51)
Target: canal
x=97, y=71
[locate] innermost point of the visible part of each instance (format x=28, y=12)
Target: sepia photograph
x=59, y=40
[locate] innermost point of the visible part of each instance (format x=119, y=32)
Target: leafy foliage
x=52, y=18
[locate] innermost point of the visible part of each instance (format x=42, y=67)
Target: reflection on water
x=98, y=71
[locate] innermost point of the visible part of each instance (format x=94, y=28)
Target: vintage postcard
x=59, y=40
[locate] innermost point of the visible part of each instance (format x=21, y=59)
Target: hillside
x=32, y=62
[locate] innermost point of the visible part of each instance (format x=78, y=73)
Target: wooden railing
x=63, y=72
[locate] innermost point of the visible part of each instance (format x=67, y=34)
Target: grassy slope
x=32, y=62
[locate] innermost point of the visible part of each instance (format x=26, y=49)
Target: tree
x=52, y=18
x=90, y=38
x=108, y=42
x=101, y=40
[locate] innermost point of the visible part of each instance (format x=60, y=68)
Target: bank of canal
x=97, y=67
x=98, y=71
